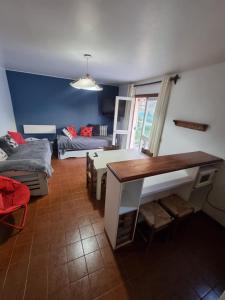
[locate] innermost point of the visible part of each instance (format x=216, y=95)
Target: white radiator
x=39, y=129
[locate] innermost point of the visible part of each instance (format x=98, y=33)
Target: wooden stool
x=156, y=218
x=177, y=207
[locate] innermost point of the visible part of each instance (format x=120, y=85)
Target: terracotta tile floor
x=63, y=252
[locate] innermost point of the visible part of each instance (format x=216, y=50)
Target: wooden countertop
x=136, y=169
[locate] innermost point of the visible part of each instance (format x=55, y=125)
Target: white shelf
x=126, y=209
x=163, y=182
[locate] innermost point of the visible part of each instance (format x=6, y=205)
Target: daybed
x=30, y=164
x=79, y=145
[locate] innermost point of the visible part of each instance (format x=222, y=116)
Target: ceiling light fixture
x=86, y=82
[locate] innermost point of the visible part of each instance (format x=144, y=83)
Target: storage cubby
x=121, y=209
x=130, y=196
x=126, y=226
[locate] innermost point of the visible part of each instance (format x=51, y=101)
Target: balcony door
x=123, y=116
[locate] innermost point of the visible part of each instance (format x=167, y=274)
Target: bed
x=79, y=146
x=31, y=164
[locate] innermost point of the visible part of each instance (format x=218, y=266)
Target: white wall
x=7, y=119
x=123, y=90
x=199, y=96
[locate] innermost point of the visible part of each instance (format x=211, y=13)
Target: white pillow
x=67, y=133
x=11, y=142
x=3, y=155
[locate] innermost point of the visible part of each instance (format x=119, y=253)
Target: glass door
x=123, y=115
x=142, y=122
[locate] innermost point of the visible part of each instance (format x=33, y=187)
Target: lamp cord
x=210, y=204
x=87, y=64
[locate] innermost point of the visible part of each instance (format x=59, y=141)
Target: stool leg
x=186, y=222
x=170, y=231
x=151, y=235
x=174, y=228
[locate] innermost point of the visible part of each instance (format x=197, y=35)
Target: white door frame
x=128, y=131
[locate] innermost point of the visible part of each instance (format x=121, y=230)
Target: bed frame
x=37, y=182
x=63, y=154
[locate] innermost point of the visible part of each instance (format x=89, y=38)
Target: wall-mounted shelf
x=191, y=125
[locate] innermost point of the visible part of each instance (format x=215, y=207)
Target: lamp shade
x=86, y=83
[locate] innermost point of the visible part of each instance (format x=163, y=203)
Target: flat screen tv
x=108, y=96
x=108, y=107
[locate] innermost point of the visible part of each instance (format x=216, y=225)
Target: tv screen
x=108, y=107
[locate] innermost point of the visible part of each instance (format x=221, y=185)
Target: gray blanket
x=83, y=143
x=32, y=156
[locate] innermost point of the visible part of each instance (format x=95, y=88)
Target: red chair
x=14, y=195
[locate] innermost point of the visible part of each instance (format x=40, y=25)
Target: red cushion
x=8, y=184
x=2, y=206
x=72, y=130
x=12, y=193
x=86, y=131
x=17, y=137
x=21, y=195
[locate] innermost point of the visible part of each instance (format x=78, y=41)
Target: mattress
x=83, y=143
x=34, y=156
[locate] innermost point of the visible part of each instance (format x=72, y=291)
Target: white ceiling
x=130, y=40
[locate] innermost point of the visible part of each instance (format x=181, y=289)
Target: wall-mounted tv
x=108, y=97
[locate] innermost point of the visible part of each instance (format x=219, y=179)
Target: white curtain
x=130, y=90
x=160, y=115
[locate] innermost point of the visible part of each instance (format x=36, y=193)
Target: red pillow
x=86, y=131
x=72, y=130
x=2, y=206
x=17, y=137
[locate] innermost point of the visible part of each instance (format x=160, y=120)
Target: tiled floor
x=63, y=253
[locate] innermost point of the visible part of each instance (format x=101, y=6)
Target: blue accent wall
x=41, y=99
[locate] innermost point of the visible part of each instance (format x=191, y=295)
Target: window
x=142, y=121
